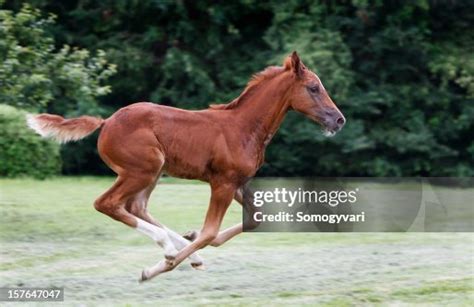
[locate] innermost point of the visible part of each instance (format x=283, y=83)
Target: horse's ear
x=294, y=63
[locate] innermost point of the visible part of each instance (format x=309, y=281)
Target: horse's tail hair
x=63, y=130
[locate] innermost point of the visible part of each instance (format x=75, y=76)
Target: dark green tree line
x=402, y=73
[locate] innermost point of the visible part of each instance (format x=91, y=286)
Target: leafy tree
x=401, y=73
x=33, y=76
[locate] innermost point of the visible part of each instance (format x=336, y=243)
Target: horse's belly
x=190, y=169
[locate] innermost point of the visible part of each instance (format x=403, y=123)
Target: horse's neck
x=263, y=114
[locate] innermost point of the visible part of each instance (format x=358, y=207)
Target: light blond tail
x=61, y=129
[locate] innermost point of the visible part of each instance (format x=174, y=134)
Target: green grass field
x=50, y=235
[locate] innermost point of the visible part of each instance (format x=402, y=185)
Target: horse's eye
x=314, y=89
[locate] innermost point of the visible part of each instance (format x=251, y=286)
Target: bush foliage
x=22, y=152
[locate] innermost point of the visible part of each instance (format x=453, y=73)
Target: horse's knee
x=207, y=237
x=216, y=243
x=251, y=224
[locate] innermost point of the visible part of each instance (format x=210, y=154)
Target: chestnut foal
x=223, y=145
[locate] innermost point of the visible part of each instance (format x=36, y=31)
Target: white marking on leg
x=181, y=243
x=158, y=235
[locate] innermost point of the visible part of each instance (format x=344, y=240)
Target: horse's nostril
x=341, y=121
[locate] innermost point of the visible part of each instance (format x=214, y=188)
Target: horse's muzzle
x=333, y=122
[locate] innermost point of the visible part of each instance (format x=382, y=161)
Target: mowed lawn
x=50, y=235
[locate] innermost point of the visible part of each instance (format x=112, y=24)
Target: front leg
x=243, y=196
x=221, y=197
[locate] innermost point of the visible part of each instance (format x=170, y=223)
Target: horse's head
x=309, y=97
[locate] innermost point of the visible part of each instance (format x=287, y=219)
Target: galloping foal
x=223, y=145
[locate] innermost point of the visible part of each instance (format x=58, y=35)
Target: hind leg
x=138, y=207
x=113, y=203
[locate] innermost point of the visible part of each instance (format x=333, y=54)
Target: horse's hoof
x=170, y=253
x=198, y=266
x=191, y=235
x=170, y=257
x=169, y=262
x=143, y=277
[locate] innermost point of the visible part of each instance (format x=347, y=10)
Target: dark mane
x=255, y=81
